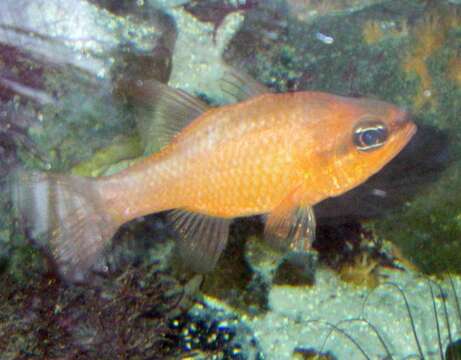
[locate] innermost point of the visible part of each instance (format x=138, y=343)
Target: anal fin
x=202, y=238
x=291, y=225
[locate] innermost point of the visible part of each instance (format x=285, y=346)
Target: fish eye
x=370, y=136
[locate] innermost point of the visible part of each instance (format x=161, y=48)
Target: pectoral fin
x=202, y=238
x=291, y=225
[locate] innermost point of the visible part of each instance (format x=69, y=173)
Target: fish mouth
x=405, y=134
x=411, y=129
x=407, y=127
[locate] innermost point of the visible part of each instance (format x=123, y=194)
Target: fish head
x=367, y=135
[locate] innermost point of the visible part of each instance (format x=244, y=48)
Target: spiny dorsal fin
x=240, y=85
x=161, y=111
x=202, y=238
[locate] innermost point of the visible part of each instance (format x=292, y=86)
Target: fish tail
x=65, y=215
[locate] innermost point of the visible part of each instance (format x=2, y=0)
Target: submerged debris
x=212, y=333
x=126, y=317
x=362, y=271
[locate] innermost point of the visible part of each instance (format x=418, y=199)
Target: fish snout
x=407, y=130
x=404, y=121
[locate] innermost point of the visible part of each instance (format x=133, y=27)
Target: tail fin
x=64, y=215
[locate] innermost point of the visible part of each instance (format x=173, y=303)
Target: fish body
x=244, y=159
x=275, y=154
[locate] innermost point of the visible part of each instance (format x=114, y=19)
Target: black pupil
x=372, y=137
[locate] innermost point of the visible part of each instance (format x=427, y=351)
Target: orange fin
x=64, y=217
x=240, y=85
x=161, y=111
x=291, y=225
x=202, y=238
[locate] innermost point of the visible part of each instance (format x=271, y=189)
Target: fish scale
x=246, y=172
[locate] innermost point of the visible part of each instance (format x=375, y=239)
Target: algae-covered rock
x=61, y=63
x=428, y=228
x=406, y=53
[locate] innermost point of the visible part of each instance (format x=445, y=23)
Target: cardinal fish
x=276, y=154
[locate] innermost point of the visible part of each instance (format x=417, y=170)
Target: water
x=376, y=285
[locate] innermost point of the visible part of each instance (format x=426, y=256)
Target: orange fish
x=275, y=154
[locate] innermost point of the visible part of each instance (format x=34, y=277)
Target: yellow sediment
x=429, y=35
x=374, y=31
x=305, y=10
x=454, y=69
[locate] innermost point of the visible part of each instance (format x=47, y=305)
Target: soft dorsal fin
x=161, y=111
x=240, y=85
x=202, y=238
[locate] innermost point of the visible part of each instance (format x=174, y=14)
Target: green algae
x=428, y=228
x=104, y=159
x=453, y=351
x=80, y=124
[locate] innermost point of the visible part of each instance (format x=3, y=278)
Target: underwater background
x=384, y=282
